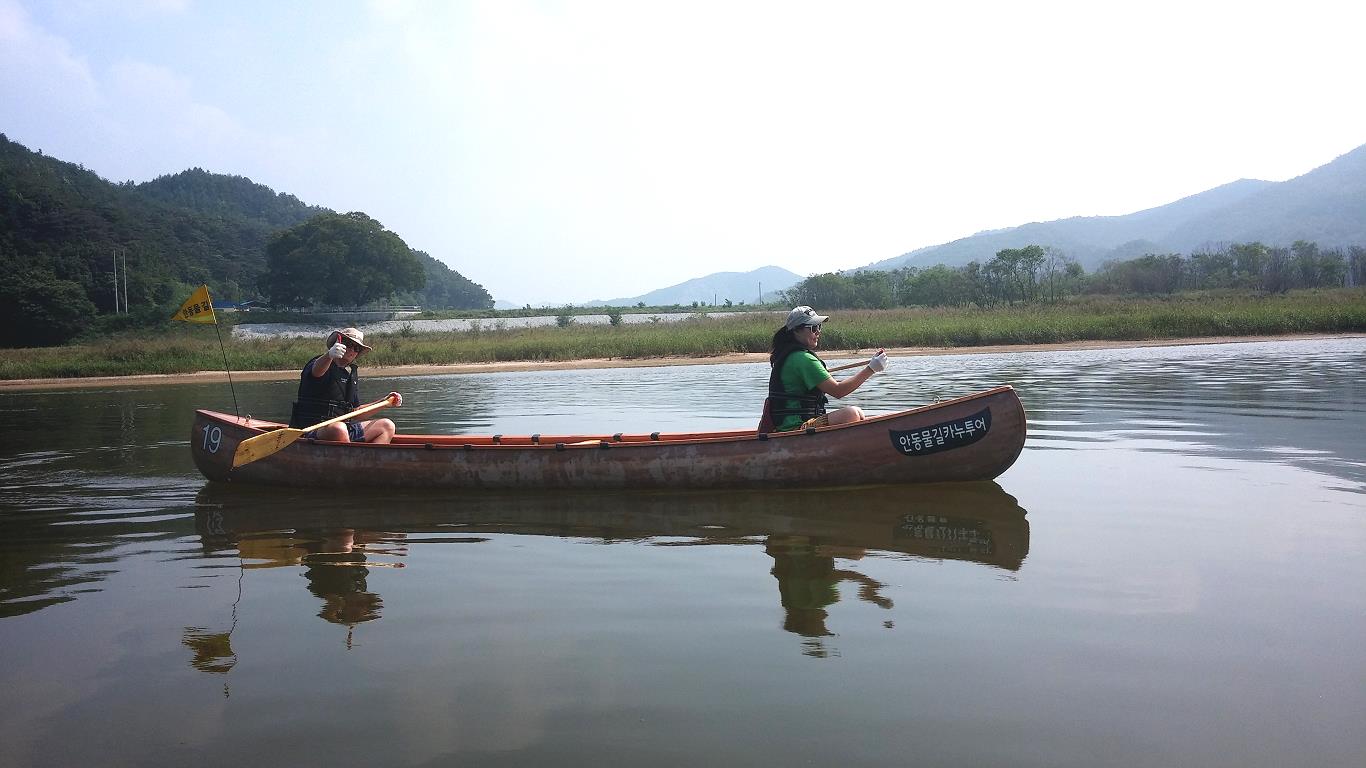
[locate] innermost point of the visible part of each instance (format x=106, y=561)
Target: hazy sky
x=569, y=151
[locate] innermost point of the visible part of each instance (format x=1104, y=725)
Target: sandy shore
x=562, y=365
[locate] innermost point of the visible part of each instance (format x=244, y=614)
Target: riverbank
x=179, y=350
x=832, y=356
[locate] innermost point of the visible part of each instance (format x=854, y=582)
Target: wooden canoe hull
x=976, y=437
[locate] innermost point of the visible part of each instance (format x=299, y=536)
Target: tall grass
x=186, y=349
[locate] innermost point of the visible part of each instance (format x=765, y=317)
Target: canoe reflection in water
x=805, y=531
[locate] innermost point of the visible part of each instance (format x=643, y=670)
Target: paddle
x=261, y=446
x=847, y=366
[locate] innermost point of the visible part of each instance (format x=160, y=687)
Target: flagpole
x=232, y=389
x=199, y=309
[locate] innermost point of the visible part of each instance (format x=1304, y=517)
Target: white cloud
x=46, y=90
x=126, y=120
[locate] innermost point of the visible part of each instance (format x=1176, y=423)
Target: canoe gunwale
x=848, y=454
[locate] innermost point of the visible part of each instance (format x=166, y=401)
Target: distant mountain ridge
x=714, y=289
x=1326, y=205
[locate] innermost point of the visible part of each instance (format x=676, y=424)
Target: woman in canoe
x=799, y=381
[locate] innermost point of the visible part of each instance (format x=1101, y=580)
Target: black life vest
x=809, y=404
x=321, y=397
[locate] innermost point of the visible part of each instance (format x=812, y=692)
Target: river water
x=1172, y=573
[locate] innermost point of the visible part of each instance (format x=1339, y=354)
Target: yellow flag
x=198, y=309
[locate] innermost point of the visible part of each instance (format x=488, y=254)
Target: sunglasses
x=813, y=328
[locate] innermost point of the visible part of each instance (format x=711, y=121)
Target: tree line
x=1041, y=274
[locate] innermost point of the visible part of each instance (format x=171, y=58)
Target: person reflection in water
x=336, y=570
x=808, y=581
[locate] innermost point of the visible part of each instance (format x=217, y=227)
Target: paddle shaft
x=364, y=410
x=847, y=366
x=261, y=446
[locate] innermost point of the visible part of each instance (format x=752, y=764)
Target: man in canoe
x=329, y=386
x=799, y=381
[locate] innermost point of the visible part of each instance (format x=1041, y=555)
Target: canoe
x=976, y=437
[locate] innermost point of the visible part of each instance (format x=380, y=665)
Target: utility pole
x=115, y=254
x=125, y=281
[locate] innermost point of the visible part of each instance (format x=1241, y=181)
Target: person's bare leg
x=846, y=415
x=379, y=431
x=334, y=432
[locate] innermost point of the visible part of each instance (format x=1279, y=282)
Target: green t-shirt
x=801, y=373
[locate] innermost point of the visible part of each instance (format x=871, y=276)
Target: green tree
x=340, y=260
x=936, y=286
x=1211, y=269
x=1058, y=276
x=1356, y=265
x=984, y=284
x=1332, y=269
x=1250, y=262
x=1278, y=271
x=1314, y=268
x=827, y=290
x=39, y=310
x=1148, y=274
x=1019, y=269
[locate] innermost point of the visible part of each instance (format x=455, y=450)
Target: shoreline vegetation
x=184, y=353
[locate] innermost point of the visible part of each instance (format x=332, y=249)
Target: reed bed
x=185, y=349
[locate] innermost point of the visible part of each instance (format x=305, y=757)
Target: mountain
x=716, y=288
x=1326, y=206
x=224, y=196
x=60, y=225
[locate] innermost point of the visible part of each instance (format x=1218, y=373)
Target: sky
x=565, y=151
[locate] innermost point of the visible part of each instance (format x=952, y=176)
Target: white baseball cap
x=803, y=315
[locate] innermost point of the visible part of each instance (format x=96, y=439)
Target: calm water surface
x=1172, y=574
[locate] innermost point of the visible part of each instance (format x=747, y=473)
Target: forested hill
x=60, y=225
x=217, y=195
x=1326, y=205
x=230, y=197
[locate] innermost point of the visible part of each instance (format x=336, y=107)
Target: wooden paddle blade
x=261, y=446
